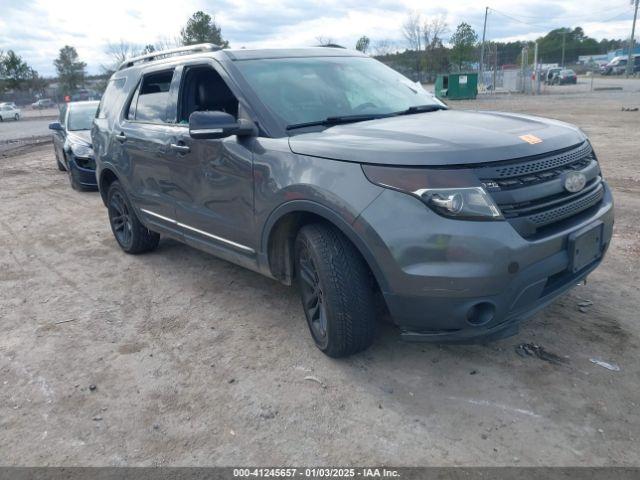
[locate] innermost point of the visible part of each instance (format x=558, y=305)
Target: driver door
x=216, y=212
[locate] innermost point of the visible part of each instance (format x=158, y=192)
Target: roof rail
x=149, y=57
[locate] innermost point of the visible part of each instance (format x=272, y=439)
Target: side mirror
x=217, y=124
x=55, y=126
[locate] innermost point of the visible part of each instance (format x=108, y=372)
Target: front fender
x=331, y=216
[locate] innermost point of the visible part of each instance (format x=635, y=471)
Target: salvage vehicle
x=618, y=66
x=72, y=144
x=324, y=168
x=9, y=112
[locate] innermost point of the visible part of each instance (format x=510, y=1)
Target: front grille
x=569, y=209
x=534, y=165
x=530, y=192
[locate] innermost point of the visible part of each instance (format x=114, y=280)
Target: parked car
x=564, y=77
x=618, y=66
x=11, y=104
x=72, y=143
x=324, y=168
x=9, y=112
x=43, y=103
x=551, y=74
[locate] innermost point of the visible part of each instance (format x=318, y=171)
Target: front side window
x=203, y=89
x=153, y=98
x=81, y=116
x=301, y=90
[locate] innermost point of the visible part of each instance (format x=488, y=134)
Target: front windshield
x=81, y=116
x=302, y=90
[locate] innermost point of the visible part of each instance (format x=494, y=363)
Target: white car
x=9, y=112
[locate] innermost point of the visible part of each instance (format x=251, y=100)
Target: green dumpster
x=457, y=86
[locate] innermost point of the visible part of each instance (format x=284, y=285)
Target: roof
x=255, y=54
x=237, y=54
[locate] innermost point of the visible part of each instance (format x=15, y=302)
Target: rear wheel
x=131, y=235
x=336, y=289
x=16, y=117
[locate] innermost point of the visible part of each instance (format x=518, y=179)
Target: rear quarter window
x=109, y=101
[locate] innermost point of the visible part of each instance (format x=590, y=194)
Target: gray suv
x=324, y=168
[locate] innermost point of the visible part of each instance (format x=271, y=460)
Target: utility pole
x=536, y=73
x=630, y=61
x=495, y=68
x=564, y=35
x=484, y=32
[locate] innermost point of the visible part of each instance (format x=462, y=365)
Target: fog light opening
x=481, y=313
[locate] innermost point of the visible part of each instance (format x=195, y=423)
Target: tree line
x=427, y=52
x=428, y=48
x=16, y=74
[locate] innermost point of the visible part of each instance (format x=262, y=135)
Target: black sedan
x=72, y=143
x=565, y=77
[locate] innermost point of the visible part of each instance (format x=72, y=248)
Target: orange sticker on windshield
x=532, y=139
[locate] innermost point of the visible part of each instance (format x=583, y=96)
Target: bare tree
x=433, y=31
x=166, y=43
x=412, y=31
x=324, y=41
x=384, y=47
x=118, y=53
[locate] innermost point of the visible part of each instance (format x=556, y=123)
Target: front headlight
x=451, y=193
x=81, y=150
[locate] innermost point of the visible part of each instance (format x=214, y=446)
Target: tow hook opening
x=481, y=313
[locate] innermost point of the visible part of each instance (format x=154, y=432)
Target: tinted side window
x=109, y=99
x=153, y=98
x=131, y=110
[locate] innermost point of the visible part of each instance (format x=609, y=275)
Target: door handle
x=121, y=137
x=180, y=148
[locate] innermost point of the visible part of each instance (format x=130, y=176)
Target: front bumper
x=449, y=279
x=86, y=177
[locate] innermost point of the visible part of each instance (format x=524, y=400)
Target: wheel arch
x=281, y=229
x=107, y=177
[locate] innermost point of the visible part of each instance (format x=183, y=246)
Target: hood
x=444, y=137
x=80, y=136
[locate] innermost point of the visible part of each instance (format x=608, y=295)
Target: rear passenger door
x=145, y=133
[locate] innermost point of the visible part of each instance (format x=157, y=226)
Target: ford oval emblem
x=575, y=181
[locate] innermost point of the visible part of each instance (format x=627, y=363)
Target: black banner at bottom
x=404, y=473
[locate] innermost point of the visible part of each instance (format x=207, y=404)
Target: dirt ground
x=198, y=362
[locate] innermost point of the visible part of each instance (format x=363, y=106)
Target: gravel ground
x=177, y=358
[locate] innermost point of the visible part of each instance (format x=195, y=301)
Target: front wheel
x=336, y=289
x=131, y=235
x=16, y=117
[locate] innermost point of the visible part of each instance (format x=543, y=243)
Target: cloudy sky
x=37, y=29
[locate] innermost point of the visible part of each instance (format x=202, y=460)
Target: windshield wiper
x=364, y=117
x=338, y=120
x=421, y=109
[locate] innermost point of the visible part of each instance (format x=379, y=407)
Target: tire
x=131, y=235
x=336, y=288
x=16, y=117
x=1, y=119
